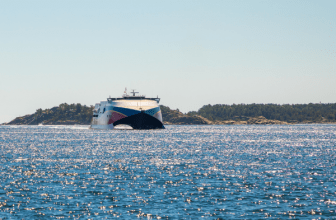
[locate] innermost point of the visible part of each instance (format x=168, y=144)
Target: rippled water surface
x=182, y=172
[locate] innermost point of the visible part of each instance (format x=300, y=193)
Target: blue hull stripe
x=152, y=111
x=130, y=112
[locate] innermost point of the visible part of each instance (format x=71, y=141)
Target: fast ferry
x=133, y=110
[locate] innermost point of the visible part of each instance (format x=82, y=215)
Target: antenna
x=134, y=92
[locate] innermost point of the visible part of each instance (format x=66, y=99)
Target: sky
x=189, y=53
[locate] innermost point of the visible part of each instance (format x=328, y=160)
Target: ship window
x=104, y=110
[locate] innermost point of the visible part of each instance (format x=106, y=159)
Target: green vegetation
x=298, y=113
x=62, y=114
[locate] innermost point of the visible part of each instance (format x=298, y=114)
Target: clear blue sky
x=190, y=53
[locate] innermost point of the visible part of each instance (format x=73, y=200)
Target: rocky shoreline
x=261, y=120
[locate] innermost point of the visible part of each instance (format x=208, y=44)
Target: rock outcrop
x=261, y=120
x=178, y=118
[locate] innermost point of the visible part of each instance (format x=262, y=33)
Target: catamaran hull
x=138, y=121
x=141, y=121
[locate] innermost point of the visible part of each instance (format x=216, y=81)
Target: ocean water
x=182, y=172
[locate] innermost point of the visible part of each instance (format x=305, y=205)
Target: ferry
x=136, y=111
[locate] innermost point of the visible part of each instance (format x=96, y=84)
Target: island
x=77, y=114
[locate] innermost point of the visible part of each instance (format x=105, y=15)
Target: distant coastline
x=253, y=114
x=71, y=114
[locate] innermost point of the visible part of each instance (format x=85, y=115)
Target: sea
x=181, y=172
